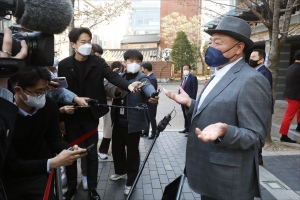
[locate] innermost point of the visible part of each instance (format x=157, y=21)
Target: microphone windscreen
x=47, y=16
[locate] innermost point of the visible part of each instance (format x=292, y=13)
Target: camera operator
x=6, y=105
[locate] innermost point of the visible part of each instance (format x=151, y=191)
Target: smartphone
x=142, y=84
x=62, y=81
x=81, y=106
x=89, y=147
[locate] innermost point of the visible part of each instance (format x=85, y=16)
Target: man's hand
x=153, y=100
x=6, y=51
x=133, y=87
x=53, y=85
x=81, y=101
x=212, y=132
x=67, y=157
x=182, y=98
x=67, y=109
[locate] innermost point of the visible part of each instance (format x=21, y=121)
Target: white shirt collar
x=150, y=73
x=24, y=113
x=221, y=72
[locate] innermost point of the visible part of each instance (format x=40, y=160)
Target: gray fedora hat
x=236, y=28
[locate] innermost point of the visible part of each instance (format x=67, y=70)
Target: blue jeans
x=75, y=129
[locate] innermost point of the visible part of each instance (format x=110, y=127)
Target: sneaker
x=127, y=189
x=102, y=156
x=285, y=138
x=84, y=182
x=117, y=176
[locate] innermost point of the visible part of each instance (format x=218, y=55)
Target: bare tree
x=89, y=14
x=92, y=14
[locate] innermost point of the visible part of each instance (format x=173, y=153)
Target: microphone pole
x=160, y=127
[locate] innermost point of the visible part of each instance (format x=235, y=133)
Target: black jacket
x=137, y=120
x=153, y=81
x=292, y=82
x=8, y=115
x=96, y=71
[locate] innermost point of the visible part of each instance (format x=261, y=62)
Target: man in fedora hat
x=230, y=119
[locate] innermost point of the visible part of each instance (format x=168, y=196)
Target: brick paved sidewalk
x=166, y=162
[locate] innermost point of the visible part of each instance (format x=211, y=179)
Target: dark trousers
x=28, y=188
x=187, y=119
x=126, y=165
x=104, y=145
x=75, y=129
x=259, y=153
x=152, y=109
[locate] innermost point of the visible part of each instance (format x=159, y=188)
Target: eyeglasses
x=40, y=94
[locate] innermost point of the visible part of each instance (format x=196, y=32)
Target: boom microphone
x=47, y=16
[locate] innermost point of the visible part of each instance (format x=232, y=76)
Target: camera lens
x=40, y=47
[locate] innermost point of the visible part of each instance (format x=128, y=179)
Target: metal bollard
x=58, y=184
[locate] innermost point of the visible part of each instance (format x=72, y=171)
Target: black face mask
x=253, y=63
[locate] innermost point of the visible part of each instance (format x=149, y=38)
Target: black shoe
x=285, y=138
x=260, y=161
x=94, y=194
x=70, y=193
x=152, y=136
x=184, y=131
x=298, y=127
x=187, y=135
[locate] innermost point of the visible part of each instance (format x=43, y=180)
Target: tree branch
x=257, y=14
x=295, y=4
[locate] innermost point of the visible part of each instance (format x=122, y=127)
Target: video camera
x=47, y=17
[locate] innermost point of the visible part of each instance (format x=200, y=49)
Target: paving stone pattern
x=286, y=169
x=165, y=163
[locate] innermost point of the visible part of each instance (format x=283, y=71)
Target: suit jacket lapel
x=220, y=86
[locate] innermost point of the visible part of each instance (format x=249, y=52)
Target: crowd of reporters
x=40, y=113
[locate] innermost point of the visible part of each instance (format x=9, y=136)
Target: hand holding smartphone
x=89, y=147
x=62, y=82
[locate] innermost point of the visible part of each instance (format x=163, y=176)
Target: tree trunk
x=274, y=56
x=70, y=27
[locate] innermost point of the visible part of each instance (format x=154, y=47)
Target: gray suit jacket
x=229, y=169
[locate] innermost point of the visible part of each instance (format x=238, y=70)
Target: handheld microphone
x=164, y=122
x=47, y=16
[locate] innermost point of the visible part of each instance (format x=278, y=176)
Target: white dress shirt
x=217, y=77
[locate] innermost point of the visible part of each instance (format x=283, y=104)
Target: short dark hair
x=261, y=53
x=116, y=64
x=188, y=66
x=97, y=48
x=297, y=55
x=133, y=54
x=29, y=76
x=147, y=65
x=75, y=33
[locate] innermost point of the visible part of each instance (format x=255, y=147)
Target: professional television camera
x=47, y=17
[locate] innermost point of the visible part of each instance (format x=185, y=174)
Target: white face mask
x=34, y=101
x=133, y=68
x=85, y=49
x=186, y=72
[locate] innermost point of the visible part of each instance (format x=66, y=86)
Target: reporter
x=6, y=106
x=36, y=137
